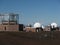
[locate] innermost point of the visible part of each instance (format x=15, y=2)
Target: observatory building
x=9, y=22
x=54, y=27
x=36, y=28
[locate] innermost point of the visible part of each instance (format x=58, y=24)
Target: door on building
x=20, y=27
x=5, y=28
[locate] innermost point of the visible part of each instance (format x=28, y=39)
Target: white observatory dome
x=37, y=25
x=53, y=25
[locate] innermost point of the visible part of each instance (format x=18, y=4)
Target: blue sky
x=31, y=11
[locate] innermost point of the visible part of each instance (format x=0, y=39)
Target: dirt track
x=23, y=38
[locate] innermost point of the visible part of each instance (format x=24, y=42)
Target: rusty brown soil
x=29, y=38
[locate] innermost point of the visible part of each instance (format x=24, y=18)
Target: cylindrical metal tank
x=10, y=18
x=14, y=18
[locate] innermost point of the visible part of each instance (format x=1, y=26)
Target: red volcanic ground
x=29, y=38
